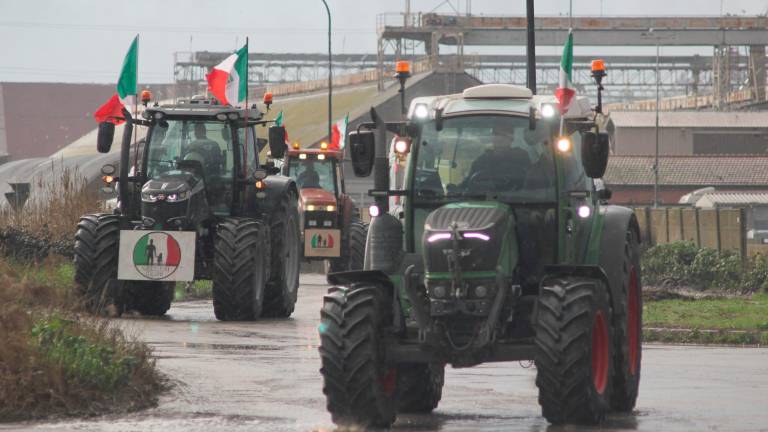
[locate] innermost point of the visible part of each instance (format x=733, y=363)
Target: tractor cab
x=195, y=203
x=329, y=219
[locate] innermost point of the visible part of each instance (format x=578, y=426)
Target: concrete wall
x=720, y=229
x=42, y=118
x=642, y=141
x=689, y=141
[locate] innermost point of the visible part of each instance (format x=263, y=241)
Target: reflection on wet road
x=264, y=376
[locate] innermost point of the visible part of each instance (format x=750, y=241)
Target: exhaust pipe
x=531, y=46
x=125, y=160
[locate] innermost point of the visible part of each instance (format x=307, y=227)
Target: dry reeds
x=55, y=205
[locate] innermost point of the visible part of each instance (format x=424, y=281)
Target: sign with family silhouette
x=322, y=243
x=157, y=255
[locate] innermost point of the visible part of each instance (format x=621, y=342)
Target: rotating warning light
x=146, y=96
x=323, y=145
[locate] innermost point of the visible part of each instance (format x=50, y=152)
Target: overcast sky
x=85, y=40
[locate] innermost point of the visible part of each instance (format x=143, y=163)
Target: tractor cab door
x=579, y=207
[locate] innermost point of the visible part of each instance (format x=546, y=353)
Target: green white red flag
x=125, y=96
x=339, y=133
x=279, y=121
x=565, y=91
x=228, y=80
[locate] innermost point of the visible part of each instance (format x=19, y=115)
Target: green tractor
x=195, y=204
x=502, y=251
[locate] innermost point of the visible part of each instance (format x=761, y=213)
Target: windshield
x=174, y=141
x=311, y=173
x=484, y=157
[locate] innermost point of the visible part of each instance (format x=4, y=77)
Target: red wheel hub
x=388, y=381
x=600, y=356
x=633, y=321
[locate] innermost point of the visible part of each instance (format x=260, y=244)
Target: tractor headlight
x=178, y=196
x=421, y=111
x=439, y=291
x=149, y=197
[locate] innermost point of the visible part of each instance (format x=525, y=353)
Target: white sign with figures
x=157, y=255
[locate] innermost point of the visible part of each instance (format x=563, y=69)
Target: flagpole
x=136, y=110
x=245, y=152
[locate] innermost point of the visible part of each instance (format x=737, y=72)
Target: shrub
x=685, y=264
x=54, y=360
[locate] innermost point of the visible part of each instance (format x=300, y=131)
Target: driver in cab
x=501, y=160
x=204, y=150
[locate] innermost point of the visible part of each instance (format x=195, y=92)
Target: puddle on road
x=221, y=346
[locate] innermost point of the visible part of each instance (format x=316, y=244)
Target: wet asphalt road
x=264, y=376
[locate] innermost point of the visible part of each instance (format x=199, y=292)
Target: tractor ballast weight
x=194, y=202
x=502, y=251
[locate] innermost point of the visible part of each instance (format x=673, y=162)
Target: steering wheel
x=486, y=181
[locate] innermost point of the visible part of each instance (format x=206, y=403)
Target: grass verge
x=56, y=361
x=738, y=321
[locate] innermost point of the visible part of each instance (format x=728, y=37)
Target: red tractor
x=331, y=226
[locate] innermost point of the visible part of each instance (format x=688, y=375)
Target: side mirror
x=604, y=194
x=277, y=141
x=105, y=137
x=108, y=170
x=259, y=174
x=362, y=148
x=594, y=153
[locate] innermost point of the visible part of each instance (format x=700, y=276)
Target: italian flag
x=565, y=92
x=279, y=121
x=112, y=111
x=339, y=133
x=228, y=80
x=162, y=248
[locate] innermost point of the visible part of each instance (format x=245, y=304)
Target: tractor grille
x=319, y=219
x=162, y=211
x=469, y=218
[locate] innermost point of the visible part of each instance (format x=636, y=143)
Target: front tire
x=359, y=386
x=419, y=387
x=97, y=242
x=239, y=270
x=150, y=298
x=353, y=251
x=283, y=284
x=628, y=322
x=574, y=358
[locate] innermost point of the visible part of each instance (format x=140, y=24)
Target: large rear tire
x=97, y=242
x=419, y=387
x=574, y=358
x=353, y=251
x=283, y=284
x=150, y=298
x=628, y=322
x=239, y=269
x=359, y=386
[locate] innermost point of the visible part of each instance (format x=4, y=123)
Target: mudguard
x=350, y=278
x=276, y=186
x=618, y=220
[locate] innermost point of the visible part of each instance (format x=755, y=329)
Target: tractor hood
x=473, y=235
x=316, y=197
x=172, y=182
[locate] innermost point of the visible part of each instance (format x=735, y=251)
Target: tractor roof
x=201, y=107
x=330, y=154
x=502, y=99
